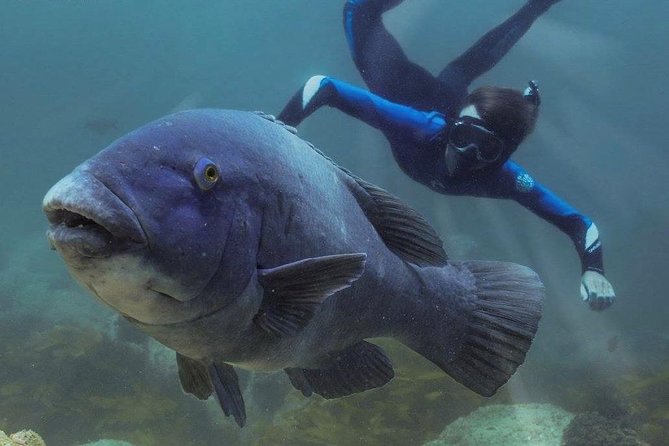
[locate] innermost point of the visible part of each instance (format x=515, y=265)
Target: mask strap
x=531, y=93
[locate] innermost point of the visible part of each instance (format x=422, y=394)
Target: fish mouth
x=87, y=219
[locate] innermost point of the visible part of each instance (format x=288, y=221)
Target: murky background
x=75, y=75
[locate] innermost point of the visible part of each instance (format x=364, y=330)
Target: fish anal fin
x=362, y=366
x=294, y=291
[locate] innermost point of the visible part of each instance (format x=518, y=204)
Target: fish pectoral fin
x=294, y=291
x=225, y=382
x=194, y=377
x=363, y=366
x=404, y=231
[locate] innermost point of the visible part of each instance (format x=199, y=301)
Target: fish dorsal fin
x=360, y=367
x=294, y=291
x=225, y=382
x=403, y=230
x=194, y=377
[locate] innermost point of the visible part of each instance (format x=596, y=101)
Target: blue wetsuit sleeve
x=394, y=120
x=515, y=183
x=389, y=117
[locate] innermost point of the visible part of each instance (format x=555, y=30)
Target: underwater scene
x=362, y=222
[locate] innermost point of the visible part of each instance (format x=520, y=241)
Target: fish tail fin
x=483, y=345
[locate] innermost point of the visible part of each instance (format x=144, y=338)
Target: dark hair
x=506, y=112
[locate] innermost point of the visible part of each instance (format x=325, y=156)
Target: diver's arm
x=391, y=118
x=517, y=184
x=495, y=44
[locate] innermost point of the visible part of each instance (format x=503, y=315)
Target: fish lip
x=79, y=226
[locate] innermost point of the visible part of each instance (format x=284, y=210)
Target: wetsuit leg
x=380, y=59
x=494, y=45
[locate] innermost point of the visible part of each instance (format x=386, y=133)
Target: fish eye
x=211, y=173
x=206, y=173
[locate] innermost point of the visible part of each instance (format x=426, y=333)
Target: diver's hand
x=596, y=290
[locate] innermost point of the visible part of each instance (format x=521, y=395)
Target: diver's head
x=491, y=125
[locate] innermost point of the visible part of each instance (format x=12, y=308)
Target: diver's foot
x=597, y=291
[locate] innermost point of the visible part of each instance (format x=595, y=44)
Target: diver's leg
x=380, y=59
x=364, y=29
x=495, y=44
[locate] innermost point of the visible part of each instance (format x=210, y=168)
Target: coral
x=22, y=438
x=507, y=425
x=592, y=429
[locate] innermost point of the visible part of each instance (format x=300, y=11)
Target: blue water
x=75, y=75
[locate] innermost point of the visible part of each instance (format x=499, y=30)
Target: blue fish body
x=234, y=242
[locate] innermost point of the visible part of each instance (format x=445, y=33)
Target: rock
x=507, y=425
x=592, y=429
x=22, y=438
x=5, y=440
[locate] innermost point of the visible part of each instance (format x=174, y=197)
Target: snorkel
x=531, y=93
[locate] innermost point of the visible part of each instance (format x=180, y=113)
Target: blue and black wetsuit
x=413, y=108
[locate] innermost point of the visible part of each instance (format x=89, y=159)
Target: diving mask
x=470, y=136
x=471, y=146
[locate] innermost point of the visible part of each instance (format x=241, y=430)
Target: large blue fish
x=234, y=242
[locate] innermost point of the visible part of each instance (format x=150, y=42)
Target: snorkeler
x=454, y=142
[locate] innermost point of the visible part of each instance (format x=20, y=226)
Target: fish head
x=161, y=224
